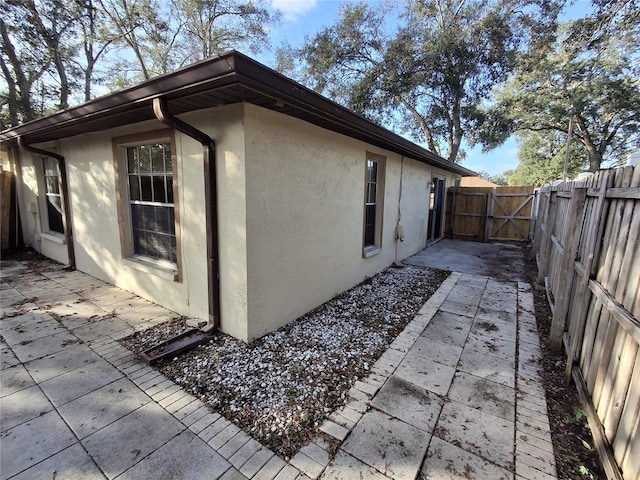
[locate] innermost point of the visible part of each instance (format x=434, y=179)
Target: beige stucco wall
x=291, y=207
x=32, y=206
x=226, y=126
x=92, y=186
x=305, y=206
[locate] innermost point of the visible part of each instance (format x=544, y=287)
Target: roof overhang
x=226, y=79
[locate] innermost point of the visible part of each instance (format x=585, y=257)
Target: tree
x=96, y=40
x=210, y=27
x=37, y=41
x=52, y=24
x=137, y=25
x=21, y=71
x=591, y=74
x=541, y=158
x=54, y=52
x=428, y=78
x=498, y=178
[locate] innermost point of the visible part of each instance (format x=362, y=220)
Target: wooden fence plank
x=566, y=269
x=595, y=312
x=550, y=219
x=620, y=390
x=626, y=445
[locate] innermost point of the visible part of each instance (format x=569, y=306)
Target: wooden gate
x=485, y=214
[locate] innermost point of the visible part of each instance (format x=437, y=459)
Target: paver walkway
x=456, y=396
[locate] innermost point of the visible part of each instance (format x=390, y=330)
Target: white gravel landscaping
x=281, y=387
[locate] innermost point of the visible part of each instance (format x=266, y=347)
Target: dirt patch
x=576, y=457
x=281, y=387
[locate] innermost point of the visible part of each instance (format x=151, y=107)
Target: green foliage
x=428, y=77
x=590, y=72
x=541, y=158
x=54, y=52
x=501, y=179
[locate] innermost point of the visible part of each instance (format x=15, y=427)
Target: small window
x=150, y=184
x=53, y=198
x=373, y=208
x=371, y=204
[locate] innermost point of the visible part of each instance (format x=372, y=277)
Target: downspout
x=64, y=197
x=161, y=111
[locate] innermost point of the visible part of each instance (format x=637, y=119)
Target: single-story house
x=225, y=191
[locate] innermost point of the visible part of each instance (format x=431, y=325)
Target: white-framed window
x=373, y=204
x=150, y=181
x=52, y=222
x=147, y=202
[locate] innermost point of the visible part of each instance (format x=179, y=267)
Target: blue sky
x=306, y=17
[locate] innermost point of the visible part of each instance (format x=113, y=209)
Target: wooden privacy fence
x=485, y=214
x=586, y=243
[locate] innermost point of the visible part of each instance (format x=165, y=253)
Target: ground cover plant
x=280, y=388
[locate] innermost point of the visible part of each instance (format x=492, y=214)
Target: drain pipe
x=161, y=110
x=64, y=197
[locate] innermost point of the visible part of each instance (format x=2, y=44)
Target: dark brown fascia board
x=198, y=75
x=232, y=68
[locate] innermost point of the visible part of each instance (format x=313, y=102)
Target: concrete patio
x=456, y=396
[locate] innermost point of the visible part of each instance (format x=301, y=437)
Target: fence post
x=576, y=210
x=533, y=223
x=545, y=241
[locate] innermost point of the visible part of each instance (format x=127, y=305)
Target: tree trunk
x=23, y=84
x=595, y=159
x=12, y=99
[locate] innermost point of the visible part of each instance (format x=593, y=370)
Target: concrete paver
x=14, y=379
x=31, y=442
x=484, y=395
x=184, y=456
x=22, y=406
x=31, y=350
x=445, y=401
x=59, y=363
x=426, y=373
x=346, y=467
x=125, y=442
x=96, y=410
x=445, y=461
x=403, y=400
x=492, y=368
x=391, y=446
x=485, y=435
x=78, y=382
x=72, y=463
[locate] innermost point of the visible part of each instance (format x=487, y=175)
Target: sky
x=302, y=18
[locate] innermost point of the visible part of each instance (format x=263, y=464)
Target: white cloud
x=292, y=10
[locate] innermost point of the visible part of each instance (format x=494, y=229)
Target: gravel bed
x=281, y=387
